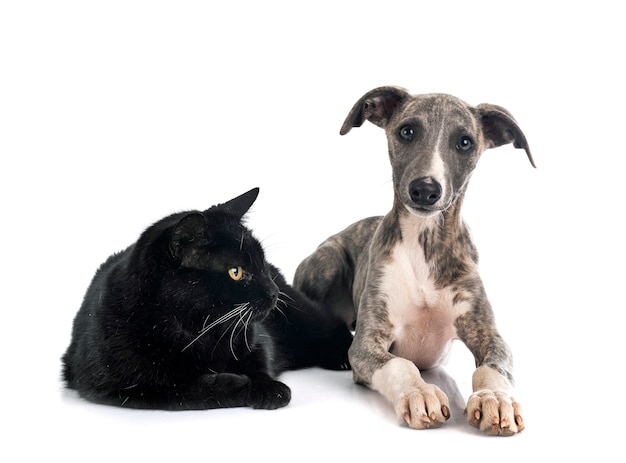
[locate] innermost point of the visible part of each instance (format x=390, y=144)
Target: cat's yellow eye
x=236, y=273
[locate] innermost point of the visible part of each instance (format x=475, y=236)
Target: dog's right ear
x=376, y=106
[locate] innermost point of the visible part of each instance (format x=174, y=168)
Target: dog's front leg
x=491, y=407
x=419, y=404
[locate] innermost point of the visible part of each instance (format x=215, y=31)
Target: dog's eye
x=407, y=133
x=465, y=144
x=236, y=273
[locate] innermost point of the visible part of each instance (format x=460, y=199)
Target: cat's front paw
x=268, y=394
x=334, y=355
x=335, y=361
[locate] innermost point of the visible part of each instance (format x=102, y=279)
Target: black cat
x=191, y=316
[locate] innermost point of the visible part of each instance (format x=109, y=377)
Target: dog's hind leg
x=325, y=277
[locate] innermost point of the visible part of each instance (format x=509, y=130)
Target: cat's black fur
x=166, y=325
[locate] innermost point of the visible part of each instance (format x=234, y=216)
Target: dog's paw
x=495, y=413
x=423, y=407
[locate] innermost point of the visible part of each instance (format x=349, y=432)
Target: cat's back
x=114, y=264
x=99, y=290
x=86, y=329
x=117, y=285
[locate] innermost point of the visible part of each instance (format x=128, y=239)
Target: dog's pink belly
x=426, y=348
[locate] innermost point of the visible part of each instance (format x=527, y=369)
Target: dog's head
x=435, y=141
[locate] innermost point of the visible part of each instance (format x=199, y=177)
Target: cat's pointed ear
x=189, y=229
x=241, y=204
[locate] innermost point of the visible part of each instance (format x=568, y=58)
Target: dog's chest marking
x=422, y=315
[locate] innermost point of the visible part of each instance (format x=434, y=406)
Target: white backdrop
x=114, y=114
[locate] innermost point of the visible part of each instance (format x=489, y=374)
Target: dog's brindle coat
x=409, y=280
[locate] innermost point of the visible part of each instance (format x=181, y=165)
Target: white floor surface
x=115, y=114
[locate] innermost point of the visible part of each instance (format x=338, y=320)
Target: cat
x=191, y=316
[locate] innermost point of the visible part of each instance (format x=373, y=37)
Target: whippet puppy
x=408, y=282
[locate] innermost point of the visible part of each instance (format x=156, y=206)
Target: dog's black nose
x=425, y=191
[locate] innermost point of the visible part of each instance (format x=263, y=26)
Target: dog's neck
x=443, y=238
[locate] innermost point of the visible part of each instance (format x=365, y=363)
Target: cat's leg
x=229, y=390
x=263, y=363
x=222, y=390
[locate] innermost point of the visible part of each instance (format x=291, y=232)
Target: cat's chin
x=261, y=315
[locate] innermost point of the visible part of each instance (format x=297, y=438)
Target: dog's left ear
x=500, y=128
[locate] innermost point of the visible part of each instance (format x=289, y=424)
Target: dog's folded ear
x=376, y=106
x=500, y=128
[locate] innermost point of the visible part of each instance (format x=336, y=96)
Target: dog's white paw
x=422, y=407
x=495, y=413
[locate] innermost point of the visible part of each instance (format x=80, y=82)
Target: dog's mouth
x=422, y=211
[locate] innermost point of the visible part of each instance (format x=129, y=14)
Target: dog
x=408, y=282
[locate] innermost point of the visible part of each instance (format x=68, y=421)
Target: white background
x=114, y=114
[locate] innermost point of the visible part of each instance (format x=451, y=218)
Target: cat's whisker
x=282, y=293
x=237, y=311
x=243, y=234
x=242, y=314
x=232, y=335
x=205, y=321
x=280, y=310
x=227, y=316
x=286, y=303
x=233, y=323
x=281, y=302
x=245, y=333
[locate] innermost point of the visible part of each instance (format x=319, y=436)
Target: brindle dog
x=408, y=282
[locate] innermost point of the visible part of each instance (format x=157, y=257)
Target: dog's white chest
x=422, y=315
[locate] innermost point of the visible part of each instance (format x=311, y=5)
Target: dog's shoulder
x=357, y=237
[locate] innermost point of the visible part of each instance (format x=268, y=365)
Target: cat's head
x=215, y=263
